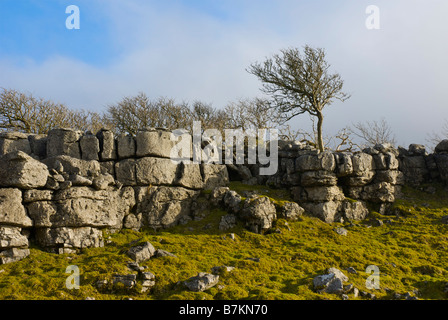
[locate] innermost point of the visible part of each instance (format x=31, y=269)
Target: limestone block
x=90, y=147
x=14, y=141
x=17, y=169
x=326, y=211
x=164, y=206
x=125, y=146
x=11, y=237
x=107, y=144
x=12, y=212
x=323, y=161
x=73, y=238
x=74, y=166
x=64, y=142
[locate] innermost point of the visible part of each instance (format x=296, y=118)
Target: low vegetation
x=409, y=248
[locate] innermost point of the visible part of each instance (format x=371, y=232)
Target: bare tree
x=252, y=114
x=300, y=84
x=23, y=112
x=134, y=113
x=374, y=132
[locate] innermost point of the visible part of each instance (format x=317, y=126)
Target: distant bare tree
x=252, y=114
x=134, y=113
x=374, y=132
x=23, y=112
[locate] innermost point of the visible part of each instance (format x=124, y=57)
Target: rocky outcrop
x=66, y=188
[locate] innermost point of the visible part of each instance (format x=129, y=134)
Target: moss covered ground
x=409, y=248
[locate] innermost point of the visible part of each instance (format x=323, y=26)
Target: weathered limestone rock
x=217, y=195
x=12, y=212
x=155, y=171
x=417, y=150
x=14, y=141
x=67, y=240
x=385, y=161
x=318, y=194
x=38, y=145
x=10, y=237
x=17, y=169
x=160, y=171
x=83, y=207
x=125, y=172
x=326, y=211
x=13, y=255
x=154, y=142
x=228, y=221
x=108, y=149
x=142, y=252
x=441, y=161
x=203, y=281
x=37, y=195
x=362, y=163
x=390, y=176
x=103, y=181
x=125, y=146
x=379, y=192
x=344, y=164
x=442, y=147
x=73, y=166
x=291, y=211
x=164, y=206
x=188, y=176
x=318, y=178
x=127, y=280
x=323, y=161
x=258, y=214
x=64, y=142
x=331, y=282
x=354, y=210
x=231, y=201
x=215, y=175
x=90, y=147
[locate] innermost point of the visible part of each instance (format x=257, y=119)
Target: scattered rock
x=142, y=252
x=203, y=281
x=227, y=222
x=331, y=282
x=220, y=269
x=127, y=280
x=341, y=231
x=163, y=253
x=351, y=270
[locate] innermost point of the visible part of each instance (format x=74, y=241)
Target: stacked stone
x=440, y=157
x=413, y=164
x=69, y=186
x=334, y=185
x=18, y=172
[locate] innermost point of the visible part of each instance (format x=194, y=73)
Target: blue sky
x=199, y=50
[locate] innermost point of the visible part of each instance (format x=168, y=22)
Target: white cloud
x=397, y=72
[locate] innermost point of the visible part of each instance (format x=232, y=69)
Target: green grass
x=410, y=251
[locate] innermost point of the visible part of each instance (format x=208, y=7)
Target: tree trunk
x=320, y=140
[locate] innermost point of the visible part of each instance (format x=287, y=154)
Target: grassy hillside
x=410, y=250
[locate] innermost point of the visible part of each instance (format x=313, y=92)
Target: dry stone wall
x=63, y=189
x=337, y=186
